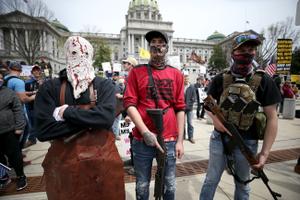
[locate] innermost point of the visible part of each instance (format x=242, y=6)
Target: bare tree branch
x=35, y=8
x=25, y=39
x=280, y=30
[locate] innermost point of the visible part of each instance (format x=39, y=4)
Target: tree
x=280, y=30
x=217, y=61
x=102, y=53
x=26, y=41
x=34, y=8
x=295, y=67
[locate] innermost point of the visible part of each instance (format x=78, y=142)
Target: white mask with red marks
x=80, y=72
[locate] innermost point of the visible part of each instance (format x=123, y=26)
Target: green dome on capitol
x=216, y=36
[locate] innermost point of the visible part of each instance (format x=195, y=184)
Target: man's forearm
x=271, y=129
x=137, y=119
x=180, y=125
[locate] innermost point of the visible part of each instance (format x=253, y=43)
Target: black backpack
x=7, y=79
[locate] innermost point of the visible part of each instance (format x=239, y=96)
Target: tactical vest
x=238, y=100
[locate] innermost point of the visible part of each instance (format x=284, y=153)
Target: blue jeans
x=32, y=133
x=27, y=128
x=216, y=166
x=142, y=157
x=115, y=126
x=188, y=125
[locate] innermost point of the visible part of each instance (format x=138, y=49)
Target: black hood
x=63, y=74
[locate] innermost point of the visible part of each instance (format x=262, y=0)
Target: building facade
x=142, y=16
x=29, y=39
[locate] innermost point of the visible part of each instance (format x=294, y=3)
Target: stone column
x=44, y=41
x=128, y=44
x=26, y=38
x=1, y=39
x=142, y=41
x=16, y=41
x=41, y=40
x=146, y=43
x=132, y=43
x=12, y=40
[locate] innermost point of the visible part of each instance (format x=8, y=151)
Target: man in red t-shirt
x=169, y=86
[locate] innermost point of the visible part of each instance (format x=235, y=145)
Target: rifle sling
x=153, y=89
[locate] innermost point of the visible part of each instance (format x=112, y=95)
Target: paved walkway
x=282, y=177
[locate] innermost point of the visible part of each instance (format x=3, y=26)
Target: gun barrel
x=157, y=117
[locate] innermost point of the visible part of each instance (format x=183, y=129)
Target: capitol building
x=141, y=17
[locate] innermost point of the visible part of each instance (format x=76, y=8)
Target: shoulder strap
x=62, y=92
x=255, y=80
x=227, y=79
x=93, y=94
x=153, y=89
x=8, y=78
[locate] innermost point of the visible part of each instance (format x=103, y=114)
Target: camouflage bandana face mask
x=158, y=56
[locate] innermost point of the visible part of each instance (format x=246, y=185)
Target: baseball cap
x=36, y=67
x=131, y=60
x=243, y=38
x=152, y=34
x=15, y=66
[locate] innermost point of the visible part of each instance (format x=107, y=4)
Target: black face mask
x=243, y=58
x=1, y=83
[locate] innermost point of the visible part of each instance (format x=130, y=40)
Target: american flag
x=271, y=68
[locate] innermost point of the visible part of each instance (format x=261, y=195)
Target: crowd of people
x=80, y=113
x=18, y=137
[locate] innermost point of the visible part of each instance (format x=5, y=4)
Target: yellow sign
x=295, y=78
x=144, y=53
x=284, y=55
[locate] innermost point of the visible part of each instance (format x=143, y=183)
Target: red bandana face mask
x=243, y=58
x=242, y=63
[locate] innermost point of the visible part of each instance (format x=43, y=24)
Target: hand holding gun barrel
x=210, y=105
x=157, y=117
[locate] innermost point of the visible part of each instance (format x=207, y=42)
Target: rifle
x=210, y=104
x=157, y=117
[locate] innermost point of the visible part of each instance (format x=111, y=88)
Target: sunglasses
x=243, y=38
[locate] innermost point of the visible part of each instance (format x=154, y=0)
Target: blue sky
x=191, y=18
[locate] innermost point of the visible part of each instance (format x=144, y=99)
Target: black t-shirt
x=266, y=94
x=31, y=85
